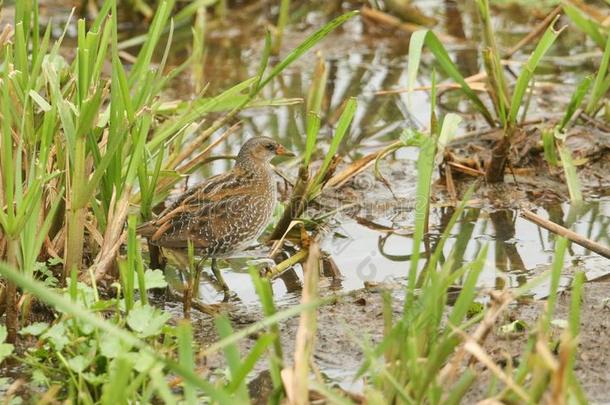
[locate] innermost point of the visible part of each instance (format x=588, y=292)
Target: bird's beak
x=281, y=151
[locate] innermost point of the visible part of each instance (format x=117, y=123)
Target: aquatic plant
x=88, y=145
x=507, y=104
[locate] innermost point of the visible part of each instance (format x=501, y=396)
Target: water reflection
x=518, y=249
x=363, y=253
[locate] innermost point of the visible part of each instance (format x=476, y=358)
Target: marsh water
x=372, y=246
x=379, y=258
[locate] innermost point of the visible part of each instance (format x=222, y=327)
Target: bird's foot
x=230, y=296
x=212, y=309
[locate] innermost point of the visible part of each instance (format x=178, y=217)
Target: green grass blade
x=545, y=43
x=306, y=45
x=569, y=169
x=313, y=128
x=263, y=64
x=461, y=387
x=585, y=24
x=491, y=57
x=416, y=44
x=468, y=293
x=314, y=107
x=232, y=355
x=282, y=21
x=575, y=101
x=258, y=350
x=191, y=7
x=550, y=149
x=184, y=333
x=425, y=167
x=576, y=302
x=154, y=34
x=114, y=390
x=265, y=295
x=342, y=126
x=445, y=62
x=598, y=87
x=558, y=262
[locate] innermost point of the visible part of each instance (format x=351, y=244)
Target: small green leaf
x=85, y=293
x=39, y=378
x=6, y=349
x=34, y=329
x=474, y=308
x=513, y=327
x=146, y=320
x=411, y=137
x=79, y=363
x=84, y=328
x=95, y=379
x=141, y=361
x=56, y=335
x=111, y=346
x=154, y=279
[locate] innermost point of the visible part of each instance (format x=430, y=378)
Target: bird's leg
x=221, y=281
x=157, y=259
x=187, y=298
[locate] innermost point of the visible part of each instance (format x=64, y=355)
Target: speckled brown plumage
x=225, y=213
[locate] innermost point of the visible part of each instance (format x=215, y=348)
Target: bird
x=225, y=213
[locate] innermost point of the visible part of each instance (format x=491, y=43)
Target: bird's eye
x=270, y=146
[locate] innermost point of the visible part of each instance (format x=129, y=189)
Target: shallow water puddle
x=518, y=251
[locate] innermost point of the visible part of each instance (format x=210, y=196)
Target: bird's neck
x=259, y=169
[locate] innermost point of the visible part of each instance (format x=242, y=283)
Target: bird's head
x=262, y=149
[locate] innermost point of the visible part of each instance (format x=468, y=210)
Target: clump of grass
x=77, y=148
x=131, y=356
x=507, y=103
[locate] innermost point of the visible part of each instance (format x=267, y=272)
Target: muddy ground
x=356, y=317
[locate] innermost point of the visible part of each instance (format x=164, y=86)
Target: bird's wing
x=199, y=213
